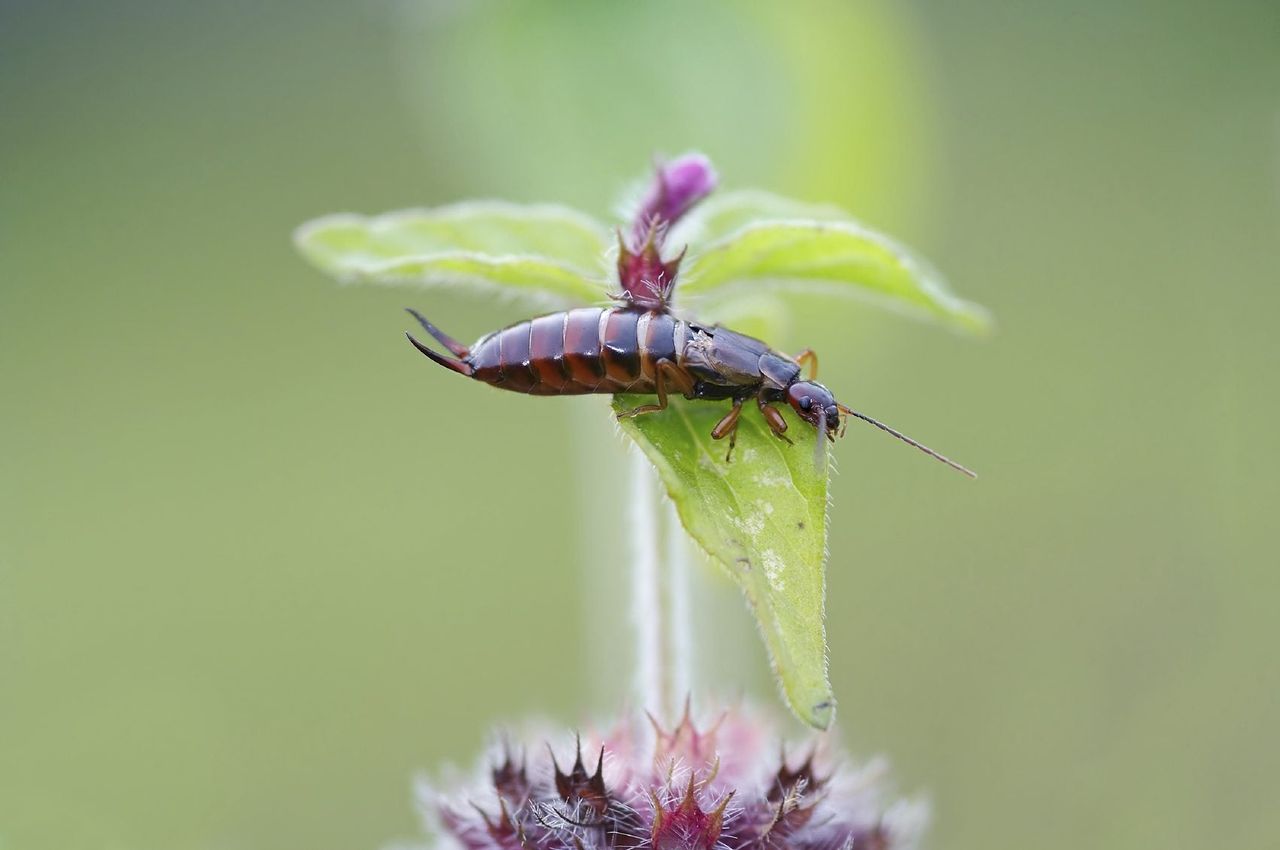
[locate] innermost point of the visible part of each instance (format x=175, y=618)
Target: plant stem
x=680, y=597
x=660, y=604
x=645, y=596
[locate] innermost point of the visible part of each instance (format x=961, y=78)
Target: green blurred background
x=259, y=563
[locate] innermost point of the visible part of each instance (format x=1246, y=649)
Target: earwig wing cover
x=546, y=254
x=763, y=518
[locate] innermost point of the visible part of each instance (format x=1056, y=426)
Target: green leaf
x=721, y=215
x=763, y=518
x=547, y=253
x=836, y=257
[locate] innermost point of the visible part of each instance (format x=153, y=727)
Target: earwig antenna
x=904, y=438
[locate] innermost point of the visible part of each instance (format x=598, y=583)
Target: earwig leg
x=728, y=426
x=809, y=359
x=644, y=408
x=773, y=417
x=443, y=338
x=666, y=370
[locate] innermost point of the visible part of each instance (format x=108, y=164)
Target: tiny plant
x=761, y=516
x=679, y=387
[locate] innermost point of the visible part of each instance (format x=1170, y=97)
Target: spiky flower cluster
x=724, y=787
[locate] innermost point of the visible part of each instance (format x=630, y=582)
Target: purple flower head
x=646, y=278
x=721, y=786
x=676, y=187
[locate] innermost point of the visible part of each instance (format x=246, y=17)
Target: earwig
x=645, y=349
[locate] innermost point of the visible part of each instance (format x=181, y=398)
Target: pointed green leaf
x=547, y=253
x=722, y=215
x=835, y=257
x=763, y=518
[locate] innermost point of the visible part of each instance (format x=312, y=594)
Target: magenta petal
x=677, y=186
x=646, y=277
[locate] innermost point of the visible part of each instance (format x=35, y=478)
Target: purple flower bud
x=646, y=278
x=676, y=187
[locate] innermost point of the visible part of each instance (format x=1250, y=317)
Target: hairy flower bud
x=676, y=187
x=647, y=278
x=726, y=786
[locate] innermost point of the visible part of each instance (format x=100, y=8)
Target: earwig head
x=814, y=404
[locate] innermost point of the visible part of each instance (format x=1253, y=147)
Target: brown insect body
x=647, y=349
x=617, y=350
x=588, y=350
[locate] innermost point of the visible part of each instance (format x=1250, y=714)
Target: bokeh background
x=259, y=563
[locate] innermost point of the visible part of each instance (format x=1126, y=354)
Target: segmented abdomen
x=590, y=350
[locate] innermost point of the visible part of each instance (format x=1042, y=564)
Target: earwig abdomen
x=659, y=341
x=619, y=351
x=590, y=350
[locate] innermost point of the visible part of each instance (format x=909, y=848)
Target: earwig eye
x=806, y=403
